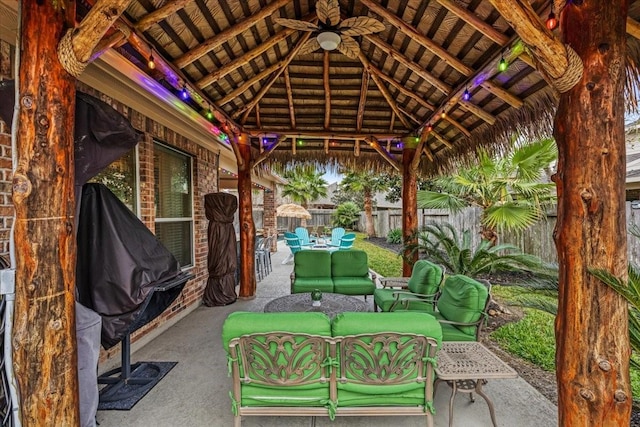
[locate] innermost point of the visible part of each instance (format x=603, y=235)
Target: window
x=121, y=178
x=173, y=202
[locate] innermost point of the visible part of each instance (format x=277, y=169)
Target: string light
x=466, y=95
x=209, y=114
x=400, y=145
x=443, y=114
x=429, y=127
x=552, y=22
x=502, y=66
x=184, y=93
x=151, y=63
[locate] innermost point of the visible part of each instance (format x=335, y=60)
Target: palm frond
x=434, y=200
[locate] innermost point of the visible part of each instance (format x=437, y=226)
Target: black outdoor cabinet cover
x=222, y=258
x=120, y=264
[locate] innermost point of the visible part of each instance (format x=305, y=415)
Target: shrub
x=395, y=236
x=346, y=215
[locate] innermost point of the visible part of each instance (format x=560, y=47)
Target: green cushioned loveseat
x=340, y=272
x=301, y=364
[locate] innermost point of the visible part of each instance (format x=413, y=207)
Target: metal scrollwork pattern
x=283, y=359
x=383, y=358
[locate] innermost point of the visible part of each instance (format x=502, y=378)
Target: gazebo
x=405, y=85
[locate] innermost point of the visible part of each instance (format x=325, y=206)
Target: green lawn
x=382, y=261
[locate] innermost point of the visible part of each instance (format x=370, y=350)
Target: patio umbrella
x=291, y=210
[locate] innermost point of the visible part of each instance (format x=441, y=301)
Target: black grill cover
x=120, y=266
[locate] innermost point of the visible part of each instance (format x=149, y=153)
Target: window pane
x=172, y=172
x=120, y=178
x=176, y=236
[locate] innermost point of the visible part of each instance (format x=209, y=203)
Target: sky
x=332, y=177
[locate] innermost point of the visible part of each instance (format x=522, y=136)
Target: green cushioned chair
x=460, y=308
x=274, y=374
x=312, y=270
x=384, y=371
x=350, y=273
x=423, y=286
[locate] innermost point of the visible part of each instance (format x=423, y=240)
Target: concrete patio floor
x=195, y=393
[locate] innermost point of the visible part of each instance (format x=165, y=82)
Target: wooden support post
x=245, y=213
x=409, y=206
x=44, y=339
x=592, y=342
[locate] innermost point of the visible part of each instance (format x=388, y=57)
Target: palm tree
x=368, y=184
x=509, y=190
x=304, y=185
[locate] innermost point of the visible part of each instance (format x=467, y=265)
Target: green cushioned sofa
x=299, y=364
x=340, y=272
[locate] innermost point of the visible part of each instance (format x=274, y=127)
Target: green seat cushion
x=308, y=284
x=425, y=278
x=244, y=323
x=257, y=395
x=312, y=264
x=352, y=323
x=353, y=285
x=384, y=299
x=350, y=263
x=452, y=333
x=463, y=300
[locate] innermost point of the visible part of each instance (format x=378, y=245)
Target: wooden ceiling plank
x=292, y=112
x=301, y=41
x=548, y=49
x=265, y=155
x=375, y=144
x=227, y=34
x=158, y=15
x=477, y=23
x=327, y=89
x=246, y=85
x=418, y=37
x=243, y=59
x=419, y=70
x=633, y=27
x=363, y=99
x=383, y=89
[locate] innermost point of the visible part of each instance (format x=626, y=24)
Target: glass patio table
x=330, y=304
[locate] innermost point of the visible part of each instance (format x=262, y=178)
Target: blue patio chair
x=336, y=235
x=292, y=240
x=346, y=242
x=303, y=235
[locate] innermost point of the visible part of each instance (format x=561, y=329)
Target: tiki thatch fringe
x=633, y=75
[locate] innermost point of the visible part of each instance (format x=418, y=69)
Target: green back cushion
x=312, y=264
x=425, y=278
x=389, y=376
x=463, y=300
x=351, y=263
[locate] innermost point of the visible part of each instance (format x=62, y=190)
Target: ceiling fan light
x=328, y=40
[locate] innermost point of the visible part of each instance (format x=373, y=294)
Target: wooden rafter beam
x=633, y=27
x=383, y=89
x=399, y=57
x=292, y=112
x=158, y=15
x=477, y=111
x=363, y=99
x=327, y=89
x=245, y=110
x=228, y=34
x=250, y=55
x=415, y=162
x=246, y=85
x=442, y=140
x=77, y=45
x=258, y=120
x=475, y=22
x=337, y=135
x=392, y=122
x=265, y=155
x=503, y=94
x=543, y=44
x=375, y=144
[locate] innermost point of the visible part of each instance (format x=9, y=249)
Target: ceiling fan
x=331, y=33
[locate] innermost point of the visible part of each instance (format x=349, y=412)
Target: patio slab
x=196, y=392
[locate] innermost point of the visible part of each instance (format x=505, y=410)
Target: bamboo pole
x=363, y=99
x=44, y=333
x=327, y=89
x=287, y=83
x=228, y=34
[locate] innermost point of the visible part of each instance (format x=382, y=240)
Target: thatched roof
x=329, y=108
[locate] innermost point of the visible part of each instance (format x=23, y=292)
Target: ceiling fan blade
x=328, y=12
x=349, y=47
x=310, y=46
x=295, y=24
x=359, y=25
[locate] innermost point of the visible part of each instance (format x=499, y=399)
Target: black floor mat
x=122, y=397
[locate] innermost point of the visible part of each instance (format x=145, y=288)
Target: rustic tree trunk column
x=45, y=358
x=409, y=206
x=247, y=227
x=592, y=356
